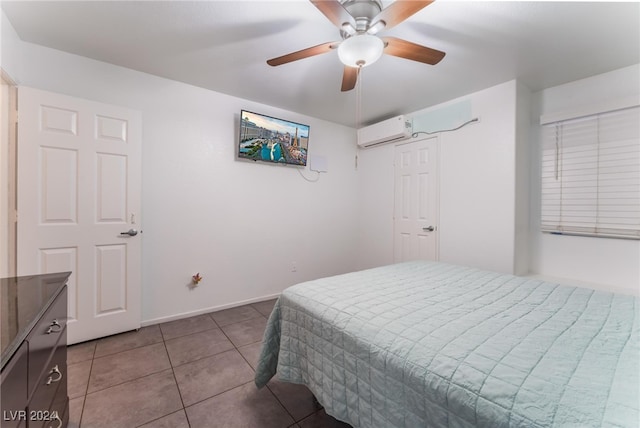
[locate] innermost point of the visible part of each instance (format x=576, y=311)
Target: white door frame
x=8, y=177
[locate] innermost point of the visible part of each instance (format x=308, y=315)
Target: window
x=591, y=175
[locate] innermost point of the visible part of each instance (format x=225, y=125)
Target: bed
x=428, y=344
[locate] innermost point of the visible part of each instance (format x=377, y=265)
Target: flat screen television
x=269, y=139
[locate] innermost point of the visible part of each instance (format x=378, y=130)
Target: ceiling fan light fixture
x=360, y=50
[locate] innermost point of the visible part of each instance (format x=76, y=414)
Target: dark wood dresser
x=33, y=338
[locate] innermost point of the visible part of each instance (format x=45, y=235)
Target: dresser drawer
x=13, y=390
x=60, y=406
x=51, y=389
x=60, y=409
x=44, y=337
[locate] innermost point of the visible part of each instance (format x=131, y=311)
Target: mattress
x=427, y=344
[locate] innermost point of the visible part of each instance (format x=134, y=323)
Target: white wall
x=375, y=206
x=523, y=178
x=203, y=211
x=614, y=263
x=240, y=224
x=10, y=43
x=4, y=184
x=9, y=62
x=477, y=183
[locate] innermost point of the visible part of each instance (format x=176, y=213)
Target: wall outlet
x=294, y=267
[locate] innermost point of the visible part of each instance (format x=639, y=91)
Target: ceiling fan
x=359, y=22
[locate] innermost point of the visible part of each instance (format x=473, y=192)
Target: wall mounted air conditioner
x=388, y=131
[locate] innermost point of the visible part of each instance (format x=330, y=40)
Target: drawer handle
x=57, y=418
x=55, y=327
x=54, y=371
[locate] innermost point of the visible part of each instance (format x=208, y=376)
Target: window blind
x=591, y=175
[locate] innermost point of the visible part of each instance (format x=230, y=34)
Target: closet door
x=416, y=201
x=79, y=186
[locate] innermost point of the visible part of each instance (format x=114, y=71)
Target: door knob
x=429, y=229
x=130, y=232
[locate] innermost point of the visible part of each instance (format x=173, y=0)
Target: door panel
x=416, y=201
x=63, y=260
x=111, y=284
x=111, y=188
x=79, y=187
x=59, y=186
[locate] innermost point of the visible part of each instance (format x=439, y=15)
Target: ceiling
x=224, y=45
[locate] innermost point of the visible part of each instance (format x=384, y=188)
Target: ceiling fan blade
x=349, y=78
x=408, y=50
x=398, y=11
x=304, y=53
x=335, y=12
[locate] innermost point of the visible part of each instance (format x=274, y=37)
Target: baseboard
x=182, y=315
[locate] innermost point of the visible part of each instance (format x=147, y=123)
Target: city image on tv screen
x=268, y=139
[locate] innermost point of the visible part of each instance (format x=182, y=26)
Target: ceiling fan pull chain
x=359, y=99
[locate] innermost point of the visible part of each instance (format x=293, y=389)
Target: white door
x=416, y=201
x=79, y=187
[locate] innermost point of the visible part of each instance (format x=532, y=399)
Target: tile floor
x=195, y=372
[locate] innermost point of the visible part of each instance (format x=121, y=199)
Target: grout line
x=130, y=332
x=86, y=390
x=267, y=386
x=245, y=358
x=185, y=319
x=189, y=334
x=234, y=348
x=175, y=379
x=214, y=321
x=200, y=358
x=231, y=341
x=282, y=404
x=128, y=349
x=84, y=399
x=172, y=367
x=259, y=315
x=164, y=416
x=128, y=380
x=219, y=393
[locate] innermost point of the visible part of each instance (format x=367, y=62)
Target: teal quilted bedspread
x=425, y=344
